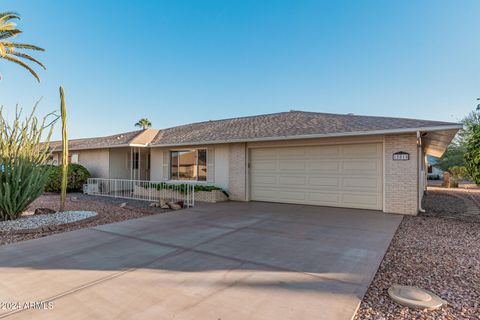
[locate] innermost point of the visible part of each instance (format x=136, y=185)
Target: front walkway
x=225, y=261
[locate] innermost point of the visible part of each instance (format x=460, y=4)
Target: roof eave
x=313, y=136
x=91, y=148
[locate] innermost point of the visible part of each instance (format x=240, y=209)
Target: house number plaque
x=401, y=156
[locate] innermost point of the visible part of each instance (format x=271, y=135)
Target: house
x=120, y=156
x=434, y=172
x=339, y=160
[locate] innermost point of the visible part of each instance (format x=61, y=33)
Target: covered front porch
x=131, y=163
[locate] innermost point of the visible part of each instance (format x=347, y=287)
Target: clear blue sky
x=177, y=62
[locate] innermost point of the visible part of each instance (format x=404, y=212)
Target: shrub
x=22, y=155
x=183, y=189
x=472, y=153
x=77, y=177
x=459, y=172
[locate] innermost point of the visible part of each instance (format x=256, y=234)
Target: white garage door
x=339, y=175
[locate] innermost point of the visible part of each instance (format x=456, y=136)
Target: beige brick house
x=290, y=157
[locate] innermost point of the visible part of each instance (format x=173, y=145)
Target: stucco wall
x=118, y=163
x=237, y=171
x=157, y=164
x=221, y=166
x=96, y=161
x=401, y=177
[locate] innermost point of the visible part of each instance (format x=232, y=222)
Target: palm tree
x=143, y=123
x=13, y=51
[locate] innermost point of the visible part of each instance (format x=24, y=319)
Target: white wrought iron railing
x=141, y=190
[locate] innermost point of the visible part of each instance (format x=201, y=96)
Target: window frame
x=196, y=178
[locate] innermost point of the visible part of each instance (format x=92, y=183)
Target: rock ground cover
x=45, y=220
x=108, y=210
x=438, y=251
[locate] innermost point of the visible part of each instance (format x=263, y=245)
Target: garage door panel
x=264, y=180
x=292, y=165
x=324, y=166
x=267, y=194
x=263, y=165
x=361, y=167
x=369, y=151
x=324, y=198
x=291, y=153
x=292, y=195
x=268, y=153
x=293, y=180
x=361, y=199
x=360, y=182
x=316, y=181
x=324, y=152
x=341, y=175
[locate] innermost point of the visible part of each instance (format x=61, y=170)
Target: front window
x=188, y=165
x=73, y=158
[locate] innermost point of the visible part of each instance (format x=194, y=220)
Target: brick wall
x=237, y=172
x=401, y=177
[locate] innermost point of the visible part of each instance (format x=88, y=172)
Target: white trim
x=324, y=135
x=138, y=145
x=384, y=193
x=103, y=147
x=247, y=173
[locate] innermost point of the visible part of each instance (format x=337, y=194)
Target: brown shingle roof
x=284, y=125
x=123, y=139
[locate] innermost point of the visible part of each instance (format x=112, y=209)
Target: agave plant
x=15, y=51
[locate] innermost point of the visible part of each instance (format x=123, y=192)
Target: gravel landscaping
x=108, y=210
x=45, y=220
x=438, y=251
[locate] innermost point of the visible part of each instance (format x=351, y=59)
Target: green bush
x=77, y=177
x=472, y=153
x=183, y=187
x=459, y=172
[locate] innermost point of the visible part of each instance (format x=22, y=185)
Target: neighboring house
x=434, y=172
x=290, y=157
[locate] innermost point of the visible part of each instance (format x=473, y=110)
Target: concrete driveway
x=223, y=261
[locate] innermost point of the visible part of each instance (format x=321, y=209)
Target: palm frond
x=17, y=45
x=21, y=63
x=7, y=26
x=5, y=16
x=9, y=33
x=28, y=57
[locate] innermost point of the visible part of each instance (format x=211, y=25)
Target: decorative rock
x=174, y=206
x=73, y=199
x=154, y=204
x=44, y=211
x=123, y=205
x=45, y=222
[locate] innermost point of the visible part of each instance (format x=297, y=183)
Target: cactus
x=63, y=114
x=22, y=158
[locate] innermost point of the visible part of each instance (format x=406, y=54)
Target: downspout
x=420, y=175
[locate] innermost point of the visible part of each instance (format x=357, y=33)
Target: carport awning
x=436, y=142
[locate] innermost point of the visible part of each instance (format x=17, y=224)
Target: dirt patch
x=108, y=209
